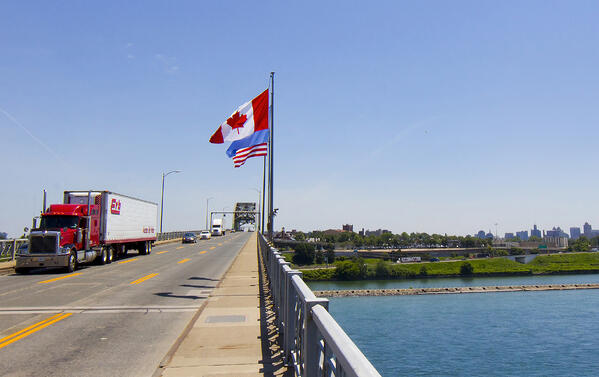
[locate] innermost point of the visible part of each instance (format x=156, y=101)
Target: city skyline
x=523, y=234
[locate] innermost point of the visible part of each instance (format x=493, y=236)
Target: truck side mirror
x=79, y=235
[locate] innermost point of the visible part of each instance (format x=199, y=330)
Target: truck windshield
x=58, y=222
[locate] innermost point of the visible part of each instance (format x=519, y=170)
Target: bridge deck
x=230, y=335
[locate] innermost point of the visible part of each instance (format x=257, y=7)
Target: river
x=546, y=333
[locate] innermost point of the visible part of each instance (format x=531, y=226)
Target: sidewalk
x=231, y=336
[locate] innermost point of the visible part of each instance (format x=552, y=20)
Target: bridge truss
x=245, y=214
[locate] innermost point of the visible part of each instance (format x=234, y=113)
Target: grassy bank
x=377, y=269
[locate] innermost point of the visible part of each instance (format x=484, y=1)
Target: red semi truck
x=89, y=226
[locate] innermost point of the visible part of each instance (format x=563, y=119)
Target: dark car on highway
x=189, y=238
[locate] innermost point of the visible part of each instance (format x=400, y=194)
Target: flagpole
x=263, y=196
x=271, y=157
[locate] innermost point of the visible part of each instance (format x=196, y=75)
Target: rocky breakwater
x=451, y=290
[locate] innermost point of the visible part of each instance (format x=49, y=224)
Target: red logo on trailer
x=115, y=207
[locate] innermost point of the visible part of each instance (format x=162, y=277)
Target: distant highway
x=114, y=320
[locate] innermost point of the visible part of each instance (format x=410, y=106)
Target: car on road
x=189, y=238
x=205, y=235
x=434, y=259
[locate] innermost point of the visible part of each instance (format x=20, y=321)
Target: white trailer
x=126, y=223
x=218, y=227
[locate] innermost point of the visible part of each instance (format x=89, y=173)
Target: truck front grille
x=43, y=244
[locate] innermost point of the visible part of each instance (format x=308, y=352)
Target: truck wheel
x=148, y=247
x=103, y=257
x=144, y=248
x=72, y=266
x=22, y=270
x=109, y=255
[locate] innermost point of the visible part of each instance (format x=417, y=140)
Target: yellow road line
x=162, y=252
x=180, y=247
x=128, y=260
x=33, y=328
x=30, y=327
x=141, y=280
x=213, y=247
x=184, y=260
x=220, y=244
x=60, y=278
x=203, y=252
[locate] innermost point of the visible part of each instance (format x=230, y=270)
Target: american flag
x=244, y=153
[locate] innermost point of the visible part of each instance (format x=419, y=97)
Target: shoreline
x=450, y=290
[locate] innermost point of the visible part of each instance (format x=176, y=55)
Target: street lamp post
x=207, y=200
x=162, y=195
x=258, y=209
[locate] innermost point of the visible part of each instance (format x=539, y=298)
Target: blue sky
x=426, y=116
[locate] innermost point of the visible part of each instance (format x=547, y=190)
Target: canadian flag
x=248, y=118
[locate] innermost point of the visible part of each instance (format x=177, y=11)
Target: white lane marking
x=197, y=292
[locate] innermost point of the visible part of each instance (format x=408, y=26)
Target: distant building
x=481, y=234
x=523, y=235
x=555, y=241
x=556, y=232
x=575, y=232
x=534, y=232
x=588, y=230
x=377, y=232
x=509, y=236
x=362, y=232
x=348, y=227
x=489, y=236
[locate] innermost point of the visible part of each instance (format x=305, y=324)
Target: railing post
x=289, y=316
x=283, y=293
x=311, y=346
x=279, y=273
x=14, y=248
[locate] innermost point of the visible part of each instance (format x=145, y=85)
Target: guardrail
x=312, y=340
x=8, y=248
x=169, y=235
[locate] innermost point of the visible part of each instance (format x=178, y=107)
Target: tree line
x=390, y=240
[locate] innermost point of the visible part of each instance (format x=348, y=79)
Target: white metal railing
x=312, y=340
x=8, y=248
x=171, y=235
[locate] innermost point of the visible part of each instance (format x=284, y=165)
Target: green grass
x=548, y=264
x=565, y=262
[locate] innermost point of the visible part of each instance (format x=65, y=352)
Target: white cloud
x=169, y=63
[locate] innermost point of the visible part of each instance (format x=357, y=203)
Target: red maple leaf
x=236, y=121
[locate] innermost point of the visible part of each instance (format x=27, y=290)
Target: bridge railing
x=311, y=338
x=169, y=235
x=8, y=248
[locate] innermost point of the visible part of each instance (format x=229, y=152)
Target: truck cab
x=217, y=227
x=65, y=237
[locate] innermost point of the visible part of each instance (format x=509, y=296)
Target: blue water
x=546, y=333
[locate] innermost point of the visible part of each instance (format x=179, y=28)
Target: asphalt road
x=114, y=320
